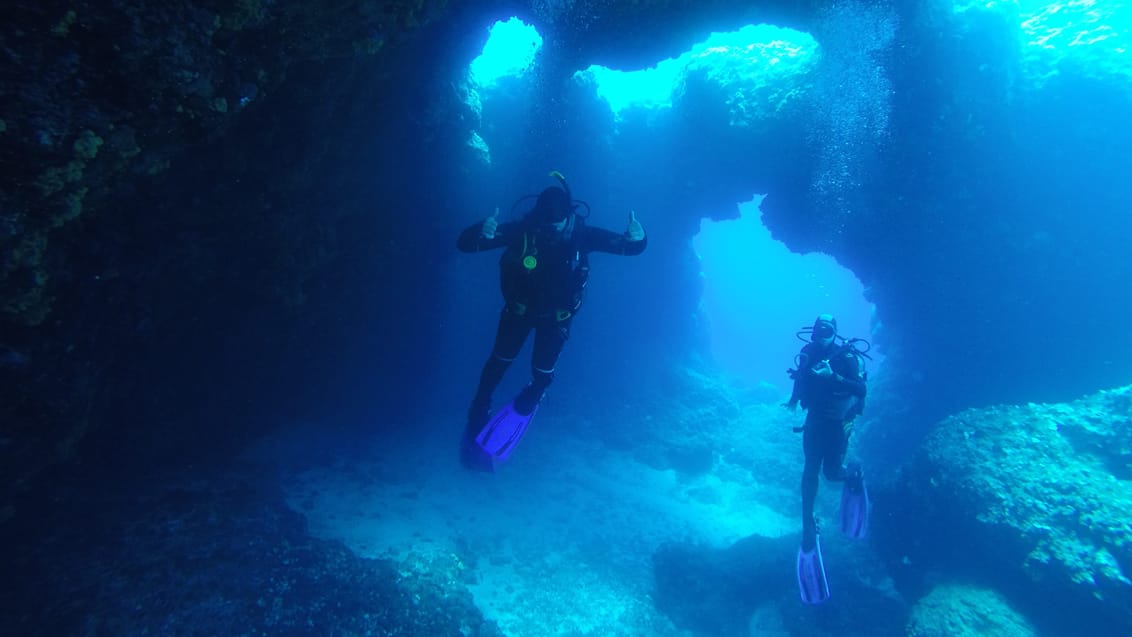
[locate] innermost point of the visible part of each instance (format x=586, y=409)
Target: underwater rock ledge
x=1040, y=493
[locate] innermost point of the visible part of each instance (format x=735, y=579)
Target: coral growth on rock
x=1041, y=492
x=954, y=610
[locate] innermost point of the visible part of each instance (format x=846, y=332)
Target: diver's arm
x=795, y=393
x=851, y=380
x=855, y=386
x=602, y=240
x=799, y=376
x=472, y=239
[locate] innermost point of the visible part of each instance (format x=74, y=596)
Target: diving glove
x=635, y=231
x=490, y=225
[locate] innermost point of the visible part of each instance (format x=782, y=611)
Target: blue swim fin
x=502, y=432
x=812, y=583
x=855, y=505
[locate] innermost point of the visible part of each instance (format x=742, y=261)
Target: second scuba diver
x=829, y=382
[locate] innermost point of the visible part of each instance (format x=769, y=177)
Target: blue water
x=263, y=409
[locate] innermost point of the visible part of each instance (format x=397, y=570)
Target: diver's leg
x=509, y=337
x=811, y=448
x=836, y=444
x=550, y=337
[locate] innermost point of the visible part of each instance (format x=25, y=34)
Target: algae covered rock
x=1039, y=493
x=955, y=610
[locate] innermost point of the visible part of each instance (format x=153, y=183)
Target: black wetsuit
x=831, y=403
x=542, y=275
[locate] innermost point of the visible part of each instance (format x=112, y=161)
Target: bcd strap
x=520, y=309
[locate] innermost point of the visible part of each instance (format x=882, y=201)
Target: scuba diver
x=829, y=383
x=543, y=271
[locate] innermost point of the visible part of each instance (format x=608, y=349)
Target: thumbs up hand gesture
x=635, y=231
x=490, y=225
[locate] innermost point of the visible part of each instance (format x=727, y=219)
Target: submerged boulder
x=955, y=610
x=1037, y=494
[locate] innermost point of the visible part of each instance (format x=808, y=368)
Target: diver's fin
x=855, y=505
x=812, y=583
x=498, y=438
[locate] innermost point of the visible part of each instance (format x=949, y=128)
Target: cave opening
x=757, y=292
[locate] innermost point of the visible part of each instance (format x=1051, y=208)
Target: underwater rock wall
x=987, y=224
x=99, y=95
x=1033, y=500
x=167, y=218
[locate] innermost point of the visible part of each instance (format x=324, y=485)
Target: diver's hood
x=553, y=205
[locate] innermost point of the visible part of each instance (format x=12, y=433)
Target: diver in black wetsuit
x=543, y=270
x=829, y=382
